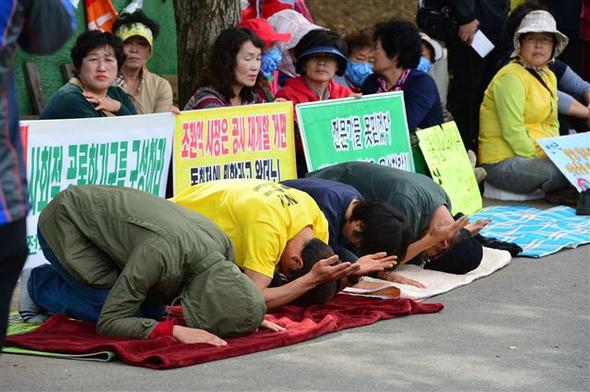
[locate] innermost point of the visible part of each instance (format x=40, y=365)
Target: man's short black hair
x=314, y=251
x=402, y=39
x=136, y=17
x=385, y=229
x=464, y=255
x=92, y=39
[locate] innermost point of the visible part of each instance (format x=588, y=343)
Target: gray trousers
x=524, y=175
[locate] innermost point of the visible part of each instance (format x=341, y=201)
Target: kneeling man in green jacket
x=118, y=256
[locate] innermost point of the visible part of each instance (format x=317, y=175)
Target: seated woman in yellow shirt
x=519, y=107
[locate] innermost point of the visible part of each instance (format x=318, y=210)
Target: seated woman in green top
x=519, y=107
x=97, y=57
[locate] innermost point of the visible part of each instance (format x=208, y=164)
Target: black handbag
x=434, y=18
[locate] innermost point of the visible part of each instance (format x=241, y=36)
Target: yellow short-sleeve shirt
x=258, y=216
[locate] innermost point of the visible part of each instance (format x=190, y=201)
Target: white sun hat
x=539, y=22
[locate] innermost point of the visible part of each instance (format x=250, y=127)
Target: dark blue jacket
x=333, y=198
x=421, y=98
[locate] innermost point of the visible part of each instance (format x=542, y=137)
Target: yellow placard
x=449, y=165
x=252, y=141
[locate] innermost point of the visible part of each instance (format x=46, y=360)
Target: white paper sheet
x=481, y=44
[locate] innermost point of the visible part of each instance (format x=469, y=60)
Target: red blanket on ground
x=61, y=334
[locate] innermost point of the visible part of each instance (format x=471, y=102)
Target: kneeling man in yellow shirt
x=273, y=227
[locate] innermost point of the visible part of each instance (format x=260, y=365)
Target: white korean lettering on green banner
x=371, y=128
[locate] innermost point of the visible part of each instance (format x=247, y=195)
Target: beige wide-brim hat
x=539, y=22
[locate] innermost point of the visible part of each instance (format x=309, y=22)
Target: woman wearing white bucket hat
x=519, y=107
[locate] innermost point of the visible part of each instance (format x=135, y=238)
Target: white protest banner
x=131, y=151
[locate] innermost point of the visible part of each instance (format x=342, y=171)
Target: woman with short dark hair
x=233, y=72
x=96, y=56
x=398, y=48
x=360, y=60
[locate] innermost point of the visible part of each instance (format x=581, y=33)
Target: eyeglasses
x=538, y=39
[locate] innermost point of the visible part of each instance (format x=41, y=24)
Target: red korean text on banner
x=24, y=135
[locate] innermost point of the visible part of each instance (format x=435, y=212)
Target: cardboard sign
x=253, y=141
x=449, y=165
x=371, y=128
x=571, y=155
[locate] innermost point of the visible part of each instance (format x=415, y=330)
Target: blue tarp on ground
x=538, y=232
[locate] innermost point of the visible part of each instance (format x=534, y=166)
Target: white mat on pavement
x=440, y=282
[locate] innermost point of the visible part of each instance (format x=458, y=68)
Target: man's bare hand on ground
x=272, y=326
x=194, y=335
x=397, y=278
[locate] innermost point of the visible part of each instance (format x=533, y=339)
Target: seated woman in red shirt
x=319, y=56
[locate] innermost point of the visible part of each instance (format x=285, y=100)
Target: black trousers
x=469, y=76
x=13, y=254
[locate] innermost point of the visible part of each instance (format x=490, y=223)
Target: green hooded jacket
x=142, y=246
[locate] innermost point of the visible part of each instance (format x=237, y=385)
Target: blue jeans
x=53, y=288
x=524, y=175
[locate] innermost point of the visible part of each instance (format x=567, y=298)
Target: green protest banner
x=371, y=128
x=449, y=165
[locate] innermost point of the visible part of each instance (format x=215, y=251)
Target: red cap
x=264, y=30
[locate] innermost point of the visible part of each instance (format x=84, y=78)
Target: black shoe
x=583, y=207
x=567, y=196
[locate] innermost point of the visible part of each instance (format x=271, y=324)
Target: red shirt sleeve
x=163, y=328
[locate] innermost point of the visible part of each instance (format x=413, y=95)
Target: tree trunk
x=198, y=23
